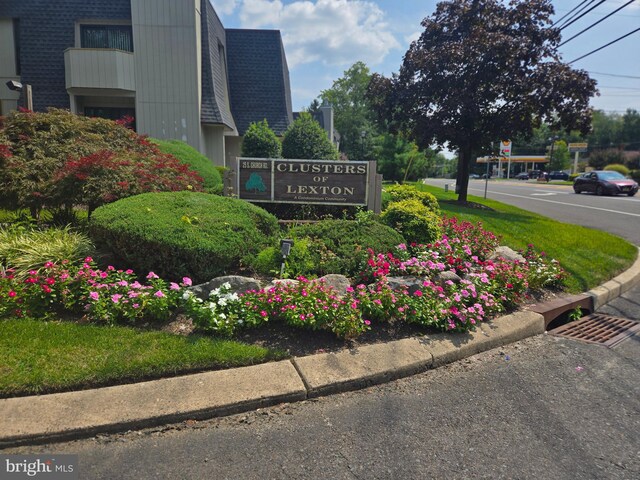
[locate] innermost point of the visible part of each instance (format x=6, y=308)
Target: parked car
x=605, y=182
x=522, y=176
x=543, y=177
x=557, y=175
x=474, y=176
x=535, y=173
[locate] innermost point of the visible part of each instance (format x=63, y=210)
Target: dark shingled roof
x=215, y=101
x=258, y=79
x=46, y=29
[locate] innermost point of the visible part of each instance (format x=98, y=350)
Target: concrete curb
x=616, y=287
x=71, y=415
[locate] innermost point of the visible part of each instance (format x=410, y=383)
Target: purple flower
x=174, y=286
x=94, y=295
x=151, y=276
x=187, y=281
x=116, y=298
x=159, y=294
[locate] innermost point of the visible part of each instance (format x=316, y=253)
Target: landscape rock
x=284, y=281
x=442, y=277
x=238, y=284
x=411, y=284
x=508, y=254
x=338, y=282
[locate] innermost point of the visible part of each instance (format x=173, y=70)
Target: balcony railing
x=99, y=69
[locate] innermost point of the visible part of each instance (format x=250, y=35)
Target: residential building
x=170, y=64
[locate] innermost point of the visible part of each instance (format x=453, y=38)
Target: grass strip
x=590, y=257
x=44, y=357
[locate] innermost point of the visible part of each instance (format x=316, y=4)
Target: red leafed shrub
x=106, y=176
x=58, y=159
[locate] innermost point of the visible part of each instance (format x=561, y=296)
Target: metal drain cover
x=598, y=328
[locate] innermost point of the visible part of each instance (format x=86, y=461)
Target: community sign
x=327, y=182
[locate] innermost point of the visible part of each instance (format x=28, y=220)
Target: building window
x=107, y=36
x=112, y=113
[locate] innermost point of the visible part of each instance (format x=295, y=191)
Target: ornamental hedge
x=414, y=220
x=185, y=153
x=337, y=246
x=182, y=234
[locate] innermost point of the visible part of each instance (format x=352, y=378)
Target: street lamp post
x=553, y=142
x=362, y=135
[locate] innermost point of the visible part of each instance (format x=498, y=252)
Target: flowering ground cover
x=484, y=287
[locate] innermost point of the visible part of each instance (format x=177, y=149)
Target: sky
x=323, y=38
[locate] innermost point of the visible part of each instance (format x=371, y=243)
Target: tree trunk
x=462, y=180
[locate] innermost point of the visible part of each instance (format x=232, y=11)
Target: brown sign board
x=578, y=147
x=327, y=182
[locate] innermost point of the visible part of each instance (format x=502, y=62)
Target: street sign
x=505, y=148
x=578, y=147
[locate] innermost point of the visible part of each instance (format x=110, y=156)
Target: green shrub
x=181, y=234
x=306, y=139
x=413, y=220
x=188, y=155
x=573, y=176
x=398, y=193
x=299, y=262
x=601, y=158
x=24, y=249
x=635, y=174
x=337, y=246
x=260, y=141
x=617, y=167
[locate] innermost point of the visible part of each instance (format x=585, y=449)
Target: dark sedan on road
x=558, y=175
x=522, y=176
x=605, y=182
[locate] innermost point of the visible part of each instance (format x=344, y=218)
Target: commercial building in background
x=169, y=64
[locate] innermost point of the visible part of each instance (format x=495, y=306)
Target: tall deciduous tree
x=483, y=70
x=352, y=111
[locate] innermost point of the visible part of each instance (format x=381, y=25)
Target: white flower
x=187, y=295
x=222, y=315
x=222, y=301
x=233, y=297
x=214, y=292
x=226, y=285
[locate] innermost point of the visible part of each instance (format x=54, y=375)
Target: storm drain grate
x=598, y=328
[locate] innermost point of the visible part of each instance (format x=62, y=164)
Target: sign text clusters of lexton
x=327, y=182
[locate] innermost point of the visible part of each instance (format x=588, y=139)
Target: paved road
x=619, y=215
x=543, y=408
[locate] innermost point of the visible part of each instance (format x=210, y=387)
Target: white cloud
x=225, y=7
x=413, y=36
x=335, y=32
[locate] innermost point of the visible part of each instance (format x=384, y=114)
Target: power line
x=604, y=46
x=570, y=11
x=574, y=15
x=579, y=17
x=614, y=75
x=596, y=23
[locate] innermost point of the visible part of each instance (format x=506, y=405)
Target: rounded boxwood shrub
x=199, y=163
x=416, y=222
x=178, y=234
x=337, y=246
x=617, y=167
x=398, y=193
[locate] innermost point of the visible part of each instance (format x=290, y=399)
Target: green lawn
x=41, y=357
x=590, y=256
